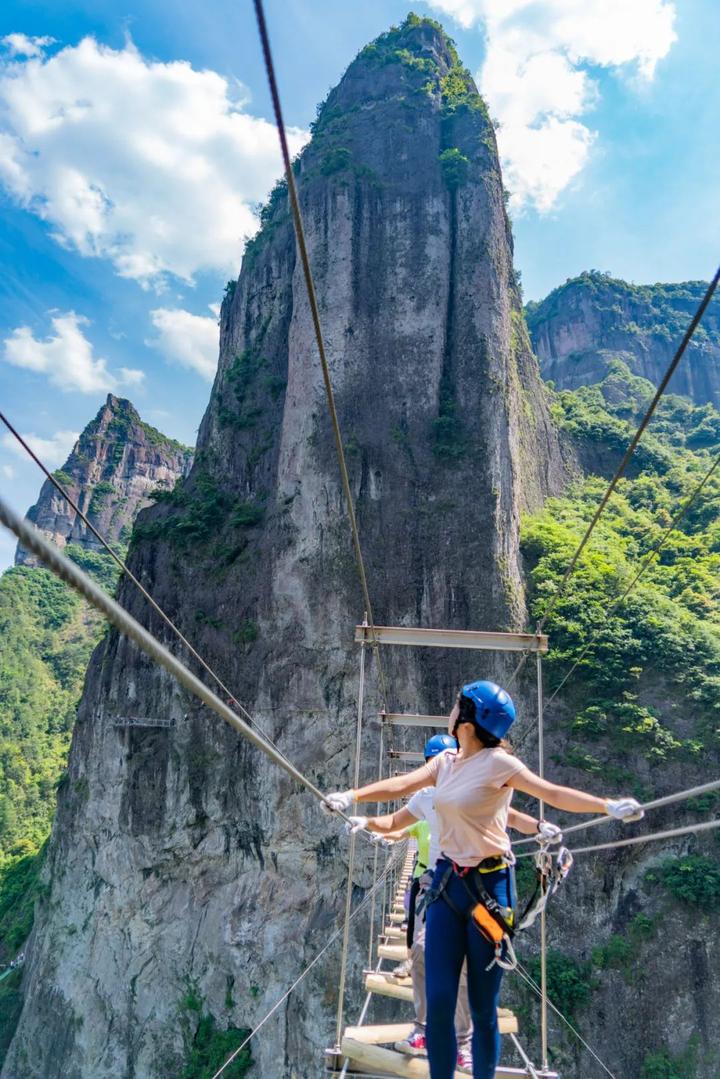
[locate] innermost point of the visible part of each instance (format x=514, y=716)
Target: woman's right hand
x=624, y=809
x=338, y=801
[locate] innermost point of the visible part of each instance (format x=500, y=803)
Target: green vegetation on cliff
x=648, y=687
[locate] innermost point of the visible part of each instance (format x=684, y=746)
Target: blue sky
x=131, y=168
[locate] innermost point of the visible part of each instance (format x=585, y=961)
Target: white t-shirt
x=472, y=802
x=422, y=806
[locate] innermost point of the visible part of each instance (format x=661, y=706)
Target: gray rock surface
x=113, y=468
x=593, y=319
x=181, y=860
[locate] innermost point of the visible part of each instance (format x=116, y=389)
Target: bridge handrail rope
x=338, y=932
x=656, y=803
x=694, y=323
x=526, y=977
x=64, y=568
x=669, y=833
x=124, y=568
x=315, y=312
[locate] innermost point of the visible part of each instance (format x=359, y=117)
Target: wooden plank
x=407, y=755
x=384, y=1033
x=397, y=918
x=398, y=952
x=392, y=932
x=387, y=1060
x=376, y=983
x=452, y=638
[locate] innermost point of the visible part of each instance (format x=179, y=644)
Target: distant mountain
x=593, y=319
x=47, y=634
x=114, y=466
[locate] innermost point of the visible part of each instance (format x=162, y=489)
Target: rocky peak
x=114, y=465
x=590, y=321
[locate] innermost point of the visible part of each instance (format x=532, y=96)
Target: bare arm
x=567, y=798
x=385, y=790
x=522, y=822
x=391, y=823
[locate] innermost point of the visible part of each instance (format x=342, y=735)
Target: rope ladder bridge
x=365, y=1050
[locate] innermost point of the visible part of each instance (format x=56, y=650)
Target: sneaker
x=402, y=970
x=414, y=1046
x=464, y=1061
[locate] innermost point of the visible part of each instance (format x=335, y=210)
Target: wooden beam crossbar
x=410, y=719
x=452, y=638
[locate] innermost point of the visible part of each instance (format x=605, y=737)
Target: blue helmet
x=494, y=709
x=438, y=744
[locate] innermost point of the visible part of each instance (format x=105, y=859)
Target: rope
x=543, y=920
x=124, y=568
x=31, y=538
x=706, y=826
x=657, y=803
x=315, y=311
x=351, y=853
x=527, y=978
x=669, y=529
x=278, y=1004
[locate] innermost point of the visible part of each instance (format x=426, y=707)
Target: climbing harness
x=494, y=920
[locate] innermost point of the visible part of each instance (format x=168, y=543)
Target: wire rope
x=279, y=1003
x=124, y=568
x=656, y=803
x=536, y=989
x=670, y=833
x=69, y=572
x=315, y=312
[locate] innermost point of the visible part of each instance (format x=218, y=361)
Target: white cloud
x=187, y=339
x=22, y=45
x=535, y=80
x=154, y=166
x=66, y=356
x=8, y=472
x=52, y=451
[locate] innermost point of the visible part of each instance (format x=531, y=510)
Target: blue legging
x=449, y=939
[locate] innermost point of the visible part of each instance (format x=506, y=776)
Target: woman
x=473, y=789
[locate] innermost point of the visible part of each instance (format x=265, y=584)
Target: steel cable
x=536, y=989
x=124, y=568
x=315, y=312
x=656, y=803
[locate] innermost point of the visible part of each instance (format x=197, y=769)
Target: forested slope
x=640, y=714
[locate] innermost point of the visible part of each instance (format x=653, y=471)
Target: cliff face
x=180, y=859
x=115, y=464
x=592, y=319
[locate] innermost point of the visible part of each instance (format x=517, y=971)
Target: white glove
x=548, y=833
x=338, y=801
x=355, y=824
x=624, y=809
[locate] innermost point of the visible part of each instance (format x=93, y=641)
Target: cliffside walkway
x=366, y=1050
